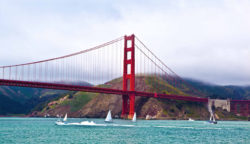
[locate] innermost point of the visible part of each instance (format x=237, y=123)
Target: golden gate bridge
x=125, y=58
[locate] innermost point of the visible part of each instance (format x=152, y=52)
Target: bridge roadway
x=97, y=90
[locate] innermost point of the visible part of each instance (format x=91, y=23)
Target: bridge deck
x=96, y=90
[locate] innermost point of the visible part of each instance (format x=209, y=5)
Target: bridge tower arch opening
x=128, y=101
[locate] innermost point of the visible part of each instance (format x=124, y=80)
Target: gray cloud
x=202, y=40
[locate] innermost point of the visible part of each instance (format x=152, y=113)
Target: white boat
x=190, y=119
x=60, y=123
x=134, y=118
x=83, y=123
x=87, y=123
x=109, y=117
x=65, y=117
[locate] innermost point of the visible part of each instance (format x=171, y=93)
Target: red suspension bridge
x=125, y=57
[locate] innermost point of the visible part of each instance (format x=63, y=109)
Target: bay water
x=44, y=130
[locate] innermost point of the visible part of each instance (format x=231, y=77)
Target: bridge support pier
x=128, y=101
x=131, y=106
x=239, y=107
x=233, y=107
x=125, y=109
x=245, y=110
x=248, y=109
x=242, y=110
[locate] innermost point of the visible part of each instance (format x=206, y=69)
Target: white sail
x=65, y=118
x=134, y=118
x=108, y=118
x=213, y=118
x=190, y=119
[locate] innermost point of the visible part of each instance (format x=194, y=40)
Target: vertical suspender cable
x=10, y=72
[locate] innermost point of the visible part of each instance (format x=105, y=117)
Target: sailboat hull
x=60, y=123
x=212, y=122
x=108, y=121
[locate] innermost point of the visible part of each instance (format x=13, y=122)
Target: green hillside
x=23, y=100
x=83, y=104
x=19, y=100
x=9, y=106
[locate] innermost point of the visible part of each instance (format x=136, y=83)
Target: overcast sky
x=205, y=40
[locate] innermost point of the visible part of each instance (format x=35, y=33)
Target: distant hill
x=83, y=104
x=9, y=106
x=22, y=100
x=221, y=92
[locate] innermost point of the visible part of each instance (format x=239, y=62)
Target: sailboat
x=65, y=117
x=190, y=119
x=134, y=118
x=109, y=118
x=59, y=122
x=212, y=119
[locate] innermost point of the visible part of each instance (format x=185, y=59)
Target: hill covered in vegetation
x=84, y=104
x=40, y=102
x=23, y=100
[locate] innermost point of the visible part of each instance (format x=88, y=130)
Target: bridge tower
x=128, y=101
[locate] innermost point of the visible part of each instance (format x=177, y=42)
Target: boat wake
x=186, y=127
x=118, y=125
x=91, y=123
x=83, y=123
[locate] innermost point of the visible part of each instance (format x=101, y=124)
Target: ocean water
x=44, y=130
